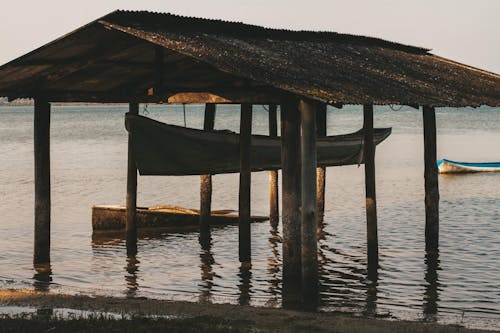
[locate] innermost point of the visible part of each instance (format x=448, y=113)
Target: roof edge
x=173, y=21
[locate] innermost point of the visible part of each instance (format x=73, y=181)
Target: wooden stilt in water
x=245, y=182
x=371, y=198
x=290, y=203
x=41, y=136
x=206, y=180
x=131, y=201
x=321, y=171
x=431, y=181
x=310, y=288
x=273, y=174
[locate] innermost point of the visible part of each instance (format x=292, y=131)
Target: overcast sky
x=464, y=30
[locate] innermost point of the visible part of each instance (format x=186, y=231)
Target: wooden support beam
x=321, y=171
x=431, y=181
x=41, y=253
x=206, y=180
x=290, y=203
x=131, y=200
x=371, y=198
x=223, y=96
x=273, y=174
x=110, y=42
x=245, y=182
x=309, y=242
x=70, y=61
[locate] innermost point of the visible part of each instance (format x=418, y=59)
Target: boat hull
x=161, y=149
x=448, y=166
x=112, y=218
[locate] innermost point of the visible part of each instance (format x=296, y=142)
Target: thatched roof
x=122, y=55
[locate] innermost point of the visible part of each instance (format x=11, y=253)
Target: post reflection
x=206, y=266
x=131, y=277
x=323, y=274
x=245, y=285
x=371, y=299
x=44, y=312
x=273, y=264
x=42, y=277
x=432, y=285
x=343, y=277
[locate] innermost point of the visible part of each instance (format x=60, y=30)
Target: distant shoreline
x=211, y=317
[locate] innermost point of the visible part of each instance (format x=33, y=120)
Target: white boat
x=448, y=166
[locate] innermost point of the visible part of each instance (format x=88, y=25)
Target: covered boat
x=448, y=166
x=162, y=149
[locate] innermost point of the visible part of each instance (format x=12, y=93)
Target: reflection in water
x=371, y=299
x=42, y=277
x=343, y=280
x=431, y=294
x=207, y=262
x=344, y=285
x=322, y=257
x=273, y=265
x=44, y=312
x=245, y=285
x=131, y=276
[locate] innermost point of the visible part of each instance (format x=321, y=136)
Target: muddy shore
x=218, y=317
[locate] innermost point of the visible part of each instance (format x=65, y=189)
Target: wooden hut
x=134, y=57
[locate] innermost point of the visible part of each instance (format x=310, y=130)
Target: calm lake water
x=461, y=285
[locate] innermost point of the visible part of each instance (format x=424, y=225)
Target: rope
x=393, y=109
x=265, y=108
x=184, y=111
x=145, y=111
x=361, y=153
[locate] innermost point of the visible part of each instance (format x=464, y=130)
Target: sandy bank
x=237, y=318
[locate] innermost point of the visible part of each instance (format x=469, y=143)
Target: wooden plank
x=290, y=199
x=206, y=180
x=42, y=181
x=273, y=175
x=131, y=200
x=431, y=181
x=371, y=198
x=310, y=287
x=112, y=219
x=321, y=171
x=245, y=182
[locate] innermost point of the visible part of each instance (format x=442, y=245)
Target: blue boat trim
x=482, y=165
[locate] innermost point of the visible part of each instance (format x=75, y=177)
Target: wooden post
x=42, y=277
x=273, y=174
x=321, y=171
x=431, y=294
x=131, y=201
x=371, y=198
x=41, y=253
x=245, y=287
x=290, y=202
x=309, y=242
x=431, y=181
x=206, y=180
x=245, y=182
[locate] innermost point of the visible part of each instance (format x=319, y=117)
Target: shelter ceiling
x=116, y=58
